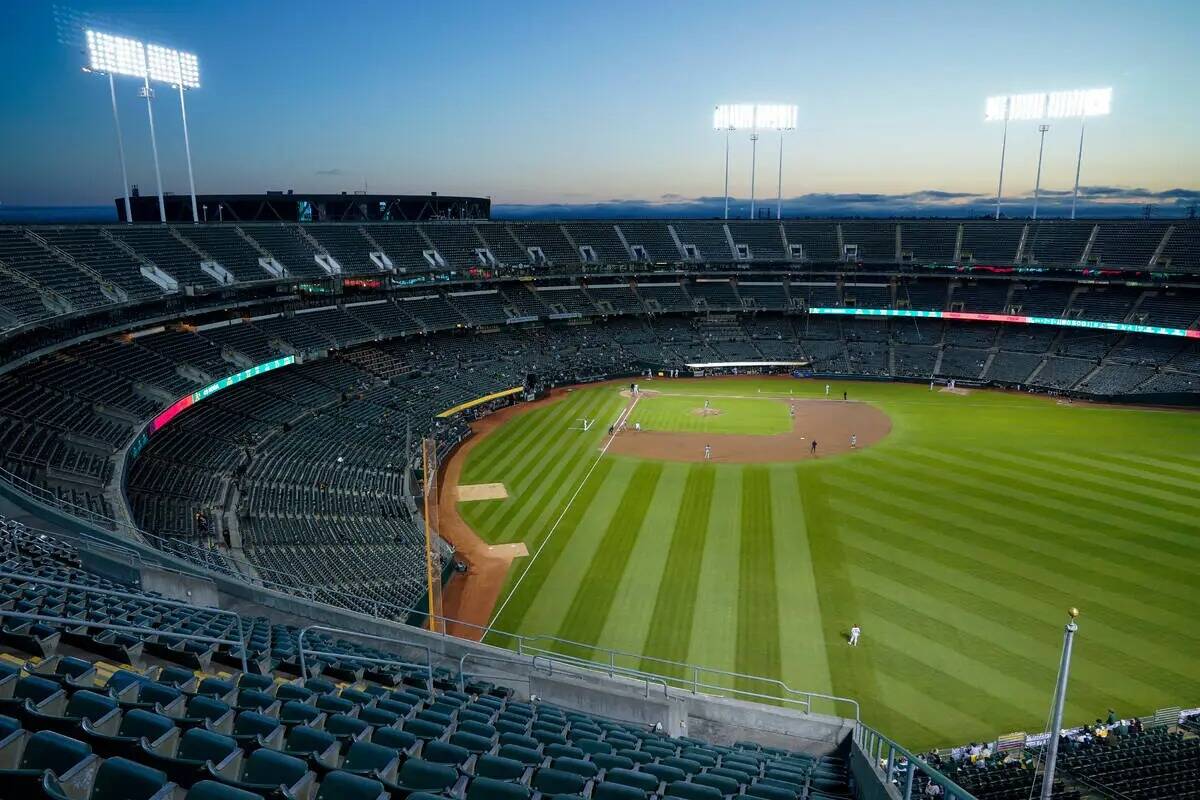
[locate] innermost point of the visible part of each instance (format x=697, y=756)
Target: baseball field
x=956, y=533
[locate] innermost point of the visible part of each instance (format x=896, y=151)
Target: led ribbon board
x=187, y=401
x=1015, y=319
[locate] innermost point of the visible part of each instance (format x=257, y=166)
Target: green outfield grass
x=748, y=416
x=957, y=543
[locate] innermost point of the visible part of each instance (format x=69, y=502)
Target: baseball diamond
x=956, y=524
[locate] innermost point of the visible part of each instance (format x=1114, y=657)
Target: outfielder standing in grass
x=855, y=632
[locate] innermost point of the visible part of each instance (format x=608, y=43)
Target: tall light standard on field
x=1037, y=183
x=724, y=120
x=181, y=70
x=115, y=55
x=1082, y=103
x=148, y=93
x=785, y=120
x=1060, y=696
x=1003, y=149
x=753, y=164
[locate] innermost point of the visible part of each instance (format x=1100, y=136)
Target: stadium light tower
x=725, y=118
x=1060, y=696
x=181, y=70
x=1037, y=183
x=148, y=93
x=115, y=55
x=1082, y=103
x=782, y=119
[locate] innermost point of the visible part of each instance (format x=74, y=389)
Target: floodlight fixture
x=110, y=55
x=173, y=66
x=754, y=117
x=182, y=71
x=115, y=55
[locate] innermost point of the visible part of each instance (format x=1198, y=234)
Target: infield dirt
x=830, y=422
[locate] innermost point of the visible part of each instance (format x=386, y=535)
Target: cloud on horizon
x=1094, y=201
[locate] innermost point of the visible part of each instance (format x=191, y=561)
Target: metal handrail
x=242, y=645
x=877, y=747
x=397, y=662
x=695, y=669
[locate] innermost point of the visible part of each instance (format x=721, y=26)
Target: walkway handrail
x=523, y=643
x=877, y=747
x=532, y=663
x=340, y=657
x=242, y=645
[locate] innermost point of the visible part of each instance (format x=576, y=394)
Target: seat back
x=198, y=744
x=122, y=779
x=267, y=767
x=139, y=723
x=53, y=751
x=346, y=786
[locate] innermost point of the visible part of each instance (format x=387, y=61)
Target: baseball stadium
x=381, y=496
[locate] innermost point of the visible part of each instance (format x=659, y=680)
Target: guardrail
x=895, y=758
x=300, y=649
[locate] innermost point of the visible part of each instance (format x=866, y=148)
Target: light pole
x=727, y=130
x=1082, y=103
x=181, y=70
x=114, y=55
x=779, y=187
x=148, y=93
x=112, y=89
x=753, y=161
x=1078, y=166
x=1037, y=184
x=1060, y=696
x=1003, y=148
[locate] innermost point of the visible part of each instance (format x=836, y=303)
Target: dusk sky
x=584, y=102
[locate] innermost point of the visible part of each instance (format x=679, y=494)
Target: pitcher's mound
x=482, y=491
x=706, y=412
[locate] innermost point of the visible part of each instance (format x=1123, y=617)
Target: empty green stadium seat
x=196, y=748
x=265, y=771
x=692, y=791
x=768, y=792
x=556, y=781
x=395, y=739
x=346, y=786
x=118, y=779
x=642, y=780
x=418, y=774
x=212, y=790
x=608, y=790
x=526, y=755
x=491, y=789
x=499, y=767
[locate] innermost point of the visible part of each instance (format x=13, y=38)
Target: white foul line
x=624, y=415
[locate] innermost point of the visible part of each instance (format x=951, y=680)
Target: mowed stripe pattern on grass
x=957, y=544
